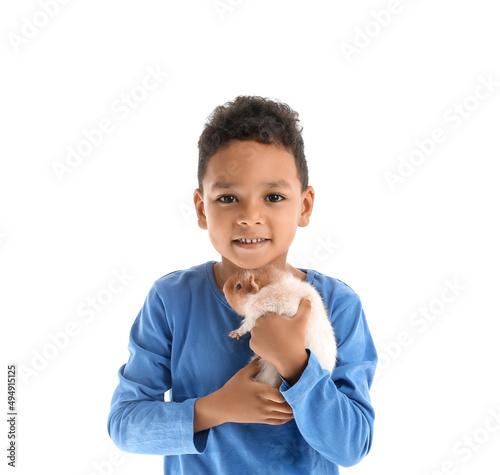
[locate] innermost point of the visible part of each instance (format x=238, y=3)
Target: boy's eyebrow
x=277, y=184
x=270, y=184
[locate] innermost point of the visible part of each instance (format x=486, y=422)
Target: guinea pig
x=252, y=293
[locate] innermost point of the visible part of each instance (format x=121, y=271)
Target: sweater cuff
x=193, y=443
x=311, y=375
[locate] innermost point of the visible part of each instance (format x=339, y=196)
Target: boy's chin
x=242, y=263
x=251, y=262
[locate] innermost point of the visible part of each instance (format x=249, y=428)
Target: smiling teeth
x=248, y=241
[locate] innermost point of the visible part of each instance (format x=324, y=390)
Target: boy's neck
x=224, y=269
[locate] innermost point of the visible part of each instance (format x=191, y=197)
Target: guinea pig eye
x=238, y=286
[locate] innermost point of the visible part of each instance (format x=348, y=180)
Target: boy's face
x=252, y=190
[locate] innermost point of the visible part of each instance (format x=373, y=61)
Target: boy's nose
x=250, y=216
x=249, y=222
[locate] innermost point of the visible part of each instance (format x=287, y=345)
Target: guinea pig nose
x=238, y=286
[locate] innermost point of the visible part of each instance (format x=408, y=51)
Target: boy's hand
x=281, y=341
x=242, y=399
x=246, y=400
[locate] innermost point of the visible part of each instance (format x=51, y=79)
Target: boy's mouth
x=247, y=243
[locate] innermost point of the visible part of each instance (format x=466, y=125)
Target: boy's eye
x=226, y=199
x=275, y=197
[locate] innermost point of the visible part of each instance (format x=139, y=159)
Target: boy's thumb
x=304, y=307
x=253, y=367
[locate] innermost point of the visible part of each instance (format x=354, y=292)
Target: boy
x=253, y=193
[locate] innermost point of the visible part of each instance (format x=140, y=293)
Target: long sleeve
x=334, y=412
x=140, y=421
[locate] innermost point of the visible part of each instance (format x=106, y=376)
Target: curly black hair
x=253, y=118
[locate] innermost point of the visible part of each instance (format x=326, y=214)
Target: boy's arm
x=333, y=412
x=140, y=421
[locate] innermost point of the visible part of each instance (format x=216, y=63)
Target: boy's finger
x=277, y=422
x=252, y=368
x=274, y=405
x=304, y=307
x=281, y=410
x=273, y=394
x=282, y=407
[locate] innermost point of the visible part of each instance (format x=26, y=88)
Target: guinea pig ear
x=253, y=287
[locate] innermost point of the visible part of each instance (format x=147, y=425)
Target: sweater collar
x=220, y=295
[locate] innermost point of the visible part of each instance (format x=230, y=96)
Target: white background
x=127, y=207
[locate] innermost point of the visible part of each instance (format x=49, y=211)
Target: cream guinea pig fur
x=251, y=293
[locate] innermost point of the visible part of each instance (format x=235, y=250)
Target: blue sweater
x=179, y=342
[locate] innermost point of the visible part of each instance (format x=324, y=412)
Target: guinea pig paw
x=235, y=334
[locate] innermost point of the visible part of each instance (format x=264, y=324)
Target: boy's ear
x=307, y=202
x=199, y=205
x=254, y=288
